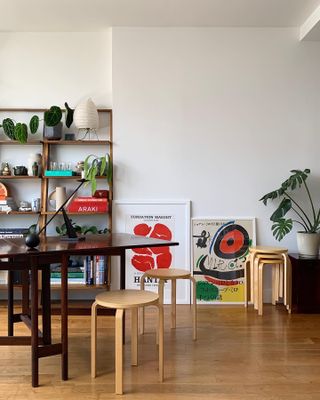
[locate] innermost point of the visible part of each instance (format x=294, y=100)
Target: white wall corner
x=310, y=29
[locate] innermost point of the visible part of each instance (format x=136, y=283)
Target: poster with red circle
x=220, y=250
x=166, y=220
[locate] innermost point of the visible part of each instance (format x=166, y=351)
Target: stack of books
x=7, y=204
x=95, y=270
x=88, y=204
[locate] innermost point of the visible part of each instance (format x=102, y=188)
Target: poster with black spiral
x=220, y=248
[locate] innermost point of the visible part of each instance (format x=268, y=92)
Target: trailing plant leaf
x=53, y=116
x=269, y=196
x=69, y=115
x=8, y=128
x=34, y=124
x=282, y=210
x=21, y=132
x=281, y=228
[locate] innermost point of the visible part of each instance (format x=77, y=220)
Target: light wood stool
x=281, y=276
x=121, y=300
x=163, y=274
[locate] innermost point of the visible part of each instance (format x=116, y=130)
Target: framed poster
x=169, y=220
x=220, y=248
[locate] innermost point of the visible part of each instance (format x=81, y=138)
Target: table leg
x=34, y=325
x=64, y=316
x=25, y=292
x=46, y=305
x=10, y=303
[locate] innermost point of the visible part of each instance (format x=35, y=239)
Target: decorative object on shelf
x=19, y=130
x=25, y=206
x=5, y=170
x=34, y=158
x=65, y=172
x=35, y=205
x=7, y=204
x=88, y=204
x=35, y=169
x=79, y=167
x=310, y=221
x=86, y=118
x=20, y=170
x=58, y=196
x=33, y=239
x=69, y=136
x=94, y=166
x=3, y=191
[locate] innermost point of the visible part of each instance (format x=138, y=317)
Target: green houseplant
x=97, y=166
x=306, y=215
x=19, y=130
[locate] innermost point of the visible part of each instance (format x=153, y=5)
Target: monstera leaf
x=282, y=210
x=281, y=228
x=296, y=179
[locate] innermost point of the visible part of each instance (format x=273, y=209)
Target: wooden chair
x=277, y=257
x=122, y=300
x=163, y=274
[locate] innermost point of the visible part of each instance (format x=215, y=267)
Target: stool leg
x=119, y=351
x=134, y=336
x=246, y=282
x=142, y=325
x=281, y=281
x=274, y=284
x=251, y=265
x=194, y=307
x=260, y=289
x=277, y=296
x=161, y=343
x=161, y=294
x=173, y=303
x=256, y=283
x=94, y=340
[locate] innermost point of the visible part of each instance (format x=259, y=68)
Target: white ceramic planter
x=308, y=244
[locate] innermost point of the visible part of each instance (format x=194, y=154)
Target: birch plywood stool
x=277, y=257
x=163, y=274
x=122, y=300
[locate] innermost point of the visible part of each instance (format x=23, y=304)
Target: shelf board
x=18, y=177
x=19, y=213
x=69, y=177
x=79, y=286
x=13, y=142
x=77, y=142
x=74, y=213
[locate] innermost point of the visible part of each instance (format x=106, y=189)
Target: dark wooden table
x=51, y=250
x=305, y=284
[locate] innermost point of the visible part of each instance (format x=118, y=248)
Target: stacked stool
x=164, y=274
x=259, y=257
x=122, y=300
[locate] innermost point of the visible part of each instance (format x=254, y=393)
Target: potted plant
x=19, y=130
x=97, y=166
x=306, y=216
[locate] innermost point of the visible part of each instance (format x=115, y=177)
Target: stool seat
x=168, y=273
x=128, y=298
x=267, y=250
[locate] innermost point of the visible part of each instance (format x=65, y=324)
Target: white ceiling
x=99, y=15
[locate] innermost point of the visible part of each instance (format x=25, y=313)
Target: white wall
x=217, y=116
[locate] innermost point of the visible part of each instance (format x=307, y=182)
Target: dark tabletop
x=54, y=244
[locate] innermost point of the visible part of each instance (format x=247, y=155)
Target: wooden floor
x=238, y=356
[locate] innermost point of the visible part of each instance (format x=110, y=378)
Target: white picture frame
x=170, y=216
x=219, y=252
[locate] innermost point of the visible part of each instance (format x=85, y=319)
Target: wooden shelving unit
x=45, y=147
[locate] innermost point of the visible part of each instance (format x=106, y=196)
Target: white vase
x=308, y=244
x=34, y=157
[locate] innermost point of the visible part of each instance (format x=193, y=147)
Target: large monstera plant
x=308, y=218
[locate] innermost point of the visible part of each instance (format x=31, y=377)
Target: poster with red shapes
x=167, y=221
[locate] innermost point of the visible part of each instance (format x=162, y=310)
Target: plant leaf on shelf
x=69, y=115
x=34, y=124
x=8, y=128
x=53, y=116
x=21, y=132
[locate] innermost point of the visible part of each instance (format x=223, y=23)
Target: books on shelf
x=7, y=204
x=90, y=271
x=13, y=232
x=88, y=204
